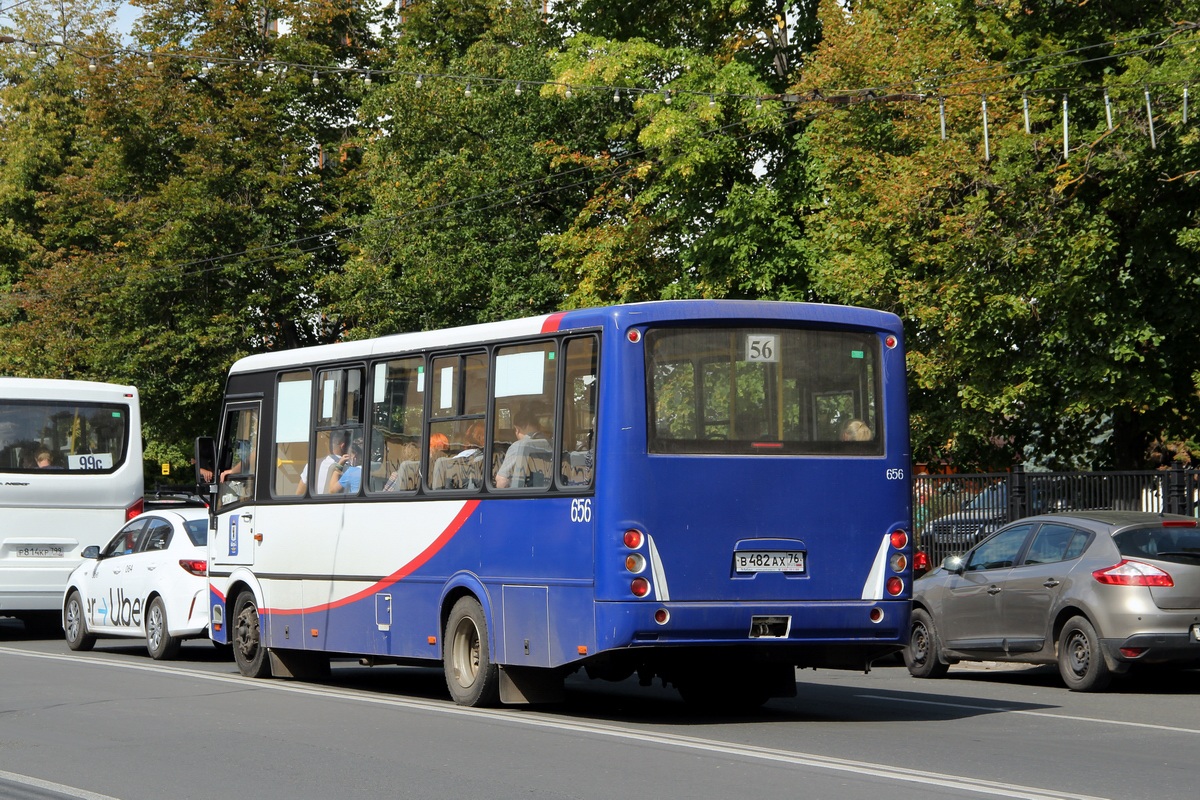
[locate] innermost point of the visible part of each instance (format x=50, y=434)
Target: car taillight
x=1133, y=573
x=135, y=509
x=920, y=561
x=195, y=566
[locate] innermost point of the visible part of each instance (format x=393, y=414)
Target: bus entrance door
x=234, y=541
x=235, y=538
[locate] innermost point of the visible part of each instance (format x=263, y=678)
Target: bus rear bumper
x=640, y=623
x=32, y=599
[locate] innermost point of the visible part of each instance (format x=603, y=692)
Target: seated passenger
x=337, y=450
x=346, y=475
x=856, y=431
x=531, y=447
x=406, y=475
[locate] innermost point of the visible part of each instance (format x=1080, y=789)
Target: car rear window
x=1165, y=544
x=197, y=531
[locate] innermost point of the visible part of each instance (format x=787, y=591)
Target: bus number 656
x=581, y=510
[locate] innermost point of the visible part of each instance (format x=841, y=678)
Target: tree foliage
x=216, y=187
x=1036, y=287
x=177, y=214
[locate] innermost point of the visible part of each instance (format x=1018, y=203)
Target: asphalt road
x=115, y=724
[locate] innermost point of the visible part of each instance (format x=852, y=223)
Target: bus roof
x=620, y=316
x=55, y=389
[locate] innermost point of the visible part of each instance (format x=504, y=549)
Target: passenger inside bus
x=406, y=475
x=346, y=475
x=464, y=470
x=526, y=463
x=339, y=441
x=856, y=431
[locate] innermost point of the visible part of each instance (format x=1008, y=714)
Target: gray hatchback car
x=1093, y=591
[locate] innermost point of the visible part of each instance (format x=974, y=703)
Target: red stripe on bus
x=552, y=322
x=397, y=576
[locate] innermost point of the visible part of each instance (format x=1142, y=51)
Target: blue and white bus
x=70, y=475
x=711, y=492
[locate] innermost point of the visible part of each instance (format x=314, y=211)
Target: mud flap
x=524, y=685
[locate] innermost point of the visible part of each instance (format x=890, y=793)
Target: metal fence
x=953, y=512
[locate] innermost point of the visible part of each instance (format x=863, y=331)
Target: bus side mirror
x=205, y=456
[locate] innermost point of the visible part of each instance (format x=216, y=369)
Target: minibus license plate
x=40, y=551
x=769, y=561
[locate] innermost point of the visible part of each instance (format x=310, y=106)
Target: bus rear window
x=763, y=391
x=73, y=437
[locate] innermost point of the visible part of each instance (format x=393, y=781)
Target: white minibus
x=70, y=475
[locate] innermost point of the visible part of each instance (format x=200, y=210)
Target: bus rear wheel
x=471, y=676
x=248, y=650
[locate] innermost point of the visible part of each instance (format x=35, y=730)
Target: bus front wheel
x=248, y=650
x=471, y=677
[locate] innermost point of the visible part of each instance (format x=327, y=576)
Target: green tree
x=467, y=175
x=700, y=201
x=198, y=205
x=1037, y=290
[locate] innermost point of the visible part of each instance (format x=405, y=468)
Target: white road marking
x=1006, y=710
x=38, y=783
x=532, y=720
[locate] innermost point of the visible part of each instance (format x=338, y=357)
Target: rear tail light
x=635, y=563
x=1133, y=573
x=633, y=538
x=135, y=509
x=640, y=587
x=898, y=562
x=1132, y=652
x=899, y=539
x=894, y=586
x=1179, y=523
x=920, y=561
x=195, y=566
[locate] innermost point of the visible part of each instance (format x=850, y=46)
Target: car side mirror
x=91, y=551
x=954, y=564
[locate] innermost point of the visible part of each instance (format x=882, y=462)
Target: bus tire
x=159, y=641
x=471, y=676
x=248, y=650
x=921, y=656
x=76, y=629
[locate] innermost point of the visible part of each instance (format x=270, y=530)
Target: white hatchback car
x=150, y=580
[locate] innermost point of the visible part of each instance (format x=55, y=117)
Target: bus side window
x=293, y=414
x=457, y=430
x=579, y=412
x=525, y=414
x=338, y=429
x=397, y=415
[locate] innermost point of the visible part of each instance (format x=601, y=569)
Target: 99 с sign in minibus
x=712, y=492
x=70, y=475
